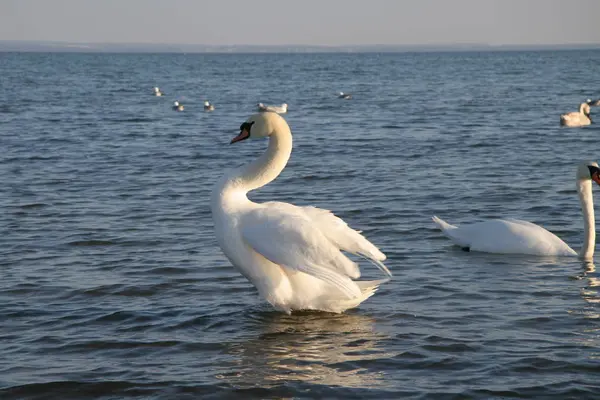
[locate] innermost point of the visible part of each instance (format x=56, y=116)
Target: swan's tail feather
x=367, y=289
x=443, y=225
x=368, y=286
x=450, y=231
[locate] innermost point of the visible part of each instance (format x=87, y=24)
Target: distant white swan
x=208, y=106
x=293, y=255
x=282, y=109
x=580, y=118
x=177, y=106
x=346, y=96
x=513, y=236
x=157, y=91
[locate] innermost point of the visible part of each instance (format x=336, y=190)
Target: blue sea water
x=112, y=285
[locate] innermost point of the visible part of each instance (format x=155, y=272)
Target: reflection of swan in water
x=312, y=347
x=591, y=293
x=589, y=332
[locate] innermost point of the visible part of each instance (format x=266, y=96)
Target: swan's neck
x=259, y=172
x=584, y=188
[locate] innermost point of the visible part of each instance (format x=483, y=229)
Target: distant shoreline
x=73, y=47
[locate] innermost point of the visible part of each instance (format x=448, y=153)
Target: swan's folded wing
x=337, y=232
x=288, y=238
x=344, y=237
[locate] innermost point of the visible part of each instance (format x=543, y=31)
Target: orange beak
x=244, y=134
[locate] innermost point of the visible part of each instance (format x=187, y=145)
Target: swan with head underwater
x=292, y=254
x=513, y=236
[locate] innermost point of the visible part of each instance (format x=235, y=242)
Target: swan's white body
x=282, y=109
x=345, y=96
x=293, y=255
x=157, y=92
x=208, y=106
x=577, y=118
x=513, y=236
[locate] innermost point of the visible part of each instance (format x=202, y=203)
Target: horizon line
x=71, y=46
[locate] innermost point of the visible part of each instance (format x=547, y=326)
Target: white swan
x=177, y=106
x=282, y=109
x=577, y=118
x=208, y=106
x=157, y=91
x=345, y=96
x=293, y=255
x=513, y=236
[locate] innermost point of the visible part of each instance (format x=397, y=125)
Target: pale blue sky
x=324, y=22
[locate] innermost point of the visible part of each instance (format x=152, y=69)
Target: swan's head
x=259, y=125
x=589, y=170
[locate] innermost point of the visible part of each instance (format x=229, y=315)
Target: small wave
x=91, y=243
x=94, y=390
x=133, y=120
x=32, y=205
x=126, y=290
x=5, y=109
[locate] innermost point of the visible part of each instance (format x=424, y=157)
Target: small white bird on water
x=282, y=109
x=345, y=96
x=291, y=254
x=177, y=106
x=157, y=91
x=208, y=106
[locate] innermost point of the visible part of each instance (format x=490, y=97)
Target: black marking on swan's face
x=594, y=173
x=244, y=132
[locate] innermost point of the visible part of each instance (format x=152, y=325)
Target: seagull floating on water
x=282, y=109
x=177, y=106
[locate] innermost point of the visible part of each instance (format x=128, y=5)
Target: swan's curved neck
x=266, y=167
x=584, y=188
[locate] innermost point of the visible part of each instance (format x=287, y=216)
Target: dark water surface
x=112, y=285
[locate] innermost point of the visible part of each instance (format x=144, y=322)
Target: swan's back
x=505, y=236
